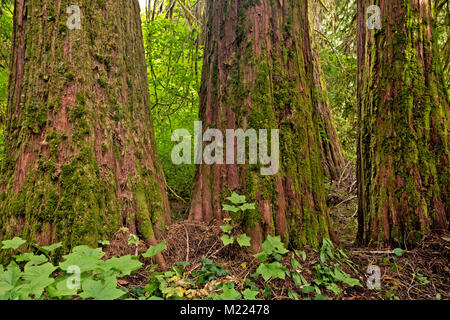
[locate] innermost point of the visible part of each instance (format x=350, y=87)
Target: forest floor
x=417, y=274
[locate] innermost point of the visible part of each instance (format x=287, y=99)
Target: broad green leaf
x=229, y=293
x=11, y=275
x=33, y=272
x=226, y=239
x=88, y=252
x=154, y=250
x=85, y=263
x=85, y=258
x=126, y=264
x=320, y=297
x=101, y=289
x=247, y=206
x=32, y=258
x=399, y=251
x=262, y=256
x=236, y=199
x=308, y=289
x=272, y=271
x=36, y=260
x=52, y=247
x=243, y=240
x=249, y=294
x=231, y=208
x=15, y=243
x=4, y=288
x=61, y=289
x=37, y=285
x=274, y=245
x=226, y=228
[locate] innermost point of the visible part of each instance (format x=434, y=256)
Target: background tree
x=80, y=158
x=333, y=160
x=258, y=73
x=174, y=52
x=6, y=10
x=334, y=25
x=442, y=9
x=403, y=145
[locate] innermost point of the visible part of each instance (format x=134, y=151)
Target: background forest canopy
x=173, y=38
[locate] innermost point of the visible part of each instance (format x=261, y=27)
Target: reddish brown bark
x=403, y=146
x=258, y=74
x=80, y=156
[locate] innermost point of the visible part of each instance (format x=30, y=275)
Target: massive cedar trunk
x=333, y=160
x=80, y=156
x=403, y=147
x=258, y=73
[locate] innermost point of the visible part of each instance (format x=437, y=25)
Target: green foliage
x=154, y=250
x=272, y=247
x=330, y=276
x=241, y=212
x=243, y=240
x=32, y=276
x=272, y=271
x=6, y=23
x=209, y=271
x=13, y=244
x=104, y=289
x=336, y=41
x=239, y=204
x=174, y=59
x=399, y=252
x=227, y=239
x=228, y=293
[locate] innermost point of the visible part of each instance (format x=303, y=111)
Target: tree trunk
x=333, y=160
x=403, y=147
x=258, y=73
x=80, y=156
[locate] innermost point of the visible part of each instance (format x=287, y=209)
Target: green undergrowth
x=85, y=273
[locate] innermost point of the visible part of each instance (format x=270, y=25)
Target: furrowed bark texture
x=403, y=146
x=80, y=156
x=258, y=73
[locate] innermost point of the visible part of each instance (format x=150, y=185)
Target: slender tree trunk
x=258, y=73
x=333, y=160
x=80, y=156
x=403, y=147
